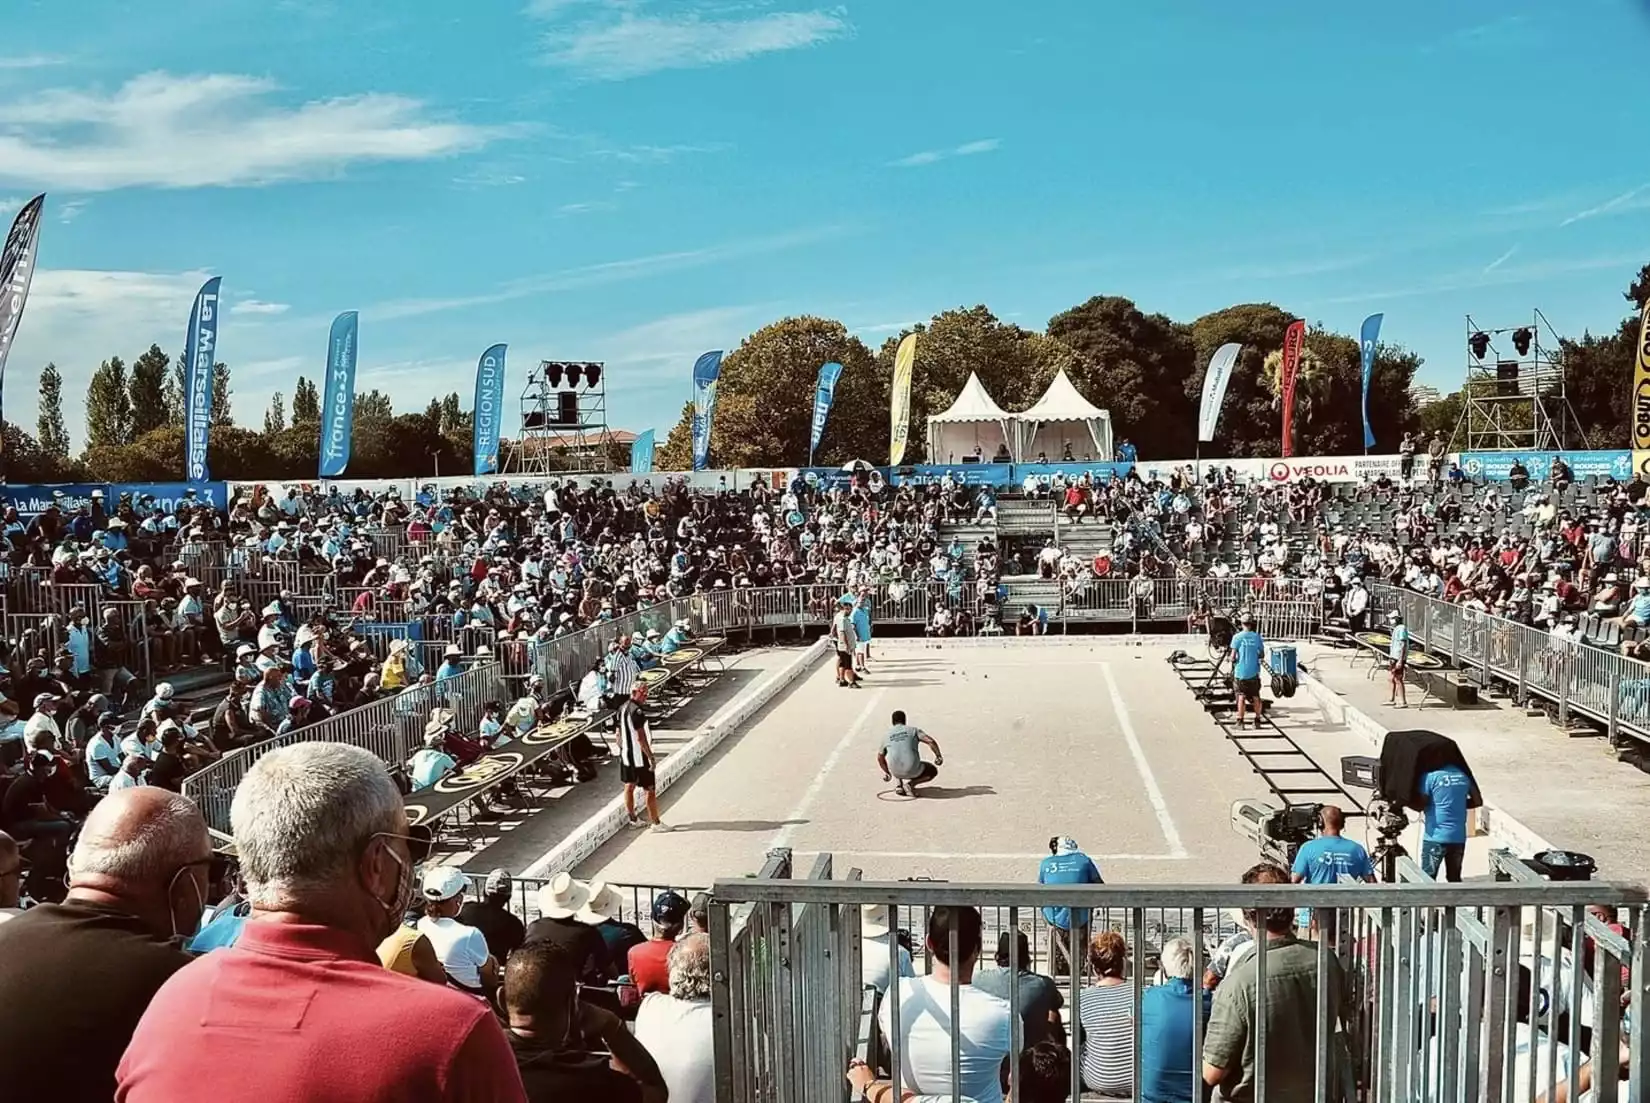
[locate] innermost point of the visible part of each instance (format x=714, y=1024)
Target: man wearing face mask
x=75, y=977
x=327, y=859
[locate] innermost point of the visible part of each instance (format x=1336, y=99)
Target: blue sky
x=637, y=181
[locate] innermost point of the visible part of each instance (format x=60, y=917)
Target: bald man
x=75, y=977
x=1325, y=859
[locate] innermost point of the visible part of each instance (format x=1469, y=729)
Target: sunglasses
x=418, y=839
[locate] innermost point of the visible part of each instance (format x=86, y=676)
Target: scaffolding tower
x=563, y=421
x=1514, y=397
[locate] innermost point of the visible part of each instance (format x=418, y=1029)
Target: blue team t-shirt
x=1446, y=816
x=1075, y=868
x=1321, y=861
x=1248, y=647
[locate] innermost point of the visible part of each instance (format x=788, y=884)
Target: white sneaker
x=663, y=826
x=636, y=824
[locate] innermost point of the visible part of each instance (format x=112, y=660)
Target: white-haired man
x=328, y=864
x=75, y=977
x=1168, y=1063
x=676, y=1029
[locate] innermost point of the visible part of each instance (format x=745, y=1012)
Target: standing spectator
x=983, y=1029
x=604, y=912
x=1168, y=1063
x=1040, y=998
x=1230, y=1060
x=676, y=1028
x=568, y=1049
x=461, y=948
x=648, y=964
x=1066, y=864
x=76, y=976
x=327, y=859
x=1105, y=1019
x=491, y=915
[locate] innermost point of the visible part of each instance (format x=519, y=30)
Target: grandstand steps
x=1030, y=590
x=197, y=688
x=1086, y=539
x=1023, y=517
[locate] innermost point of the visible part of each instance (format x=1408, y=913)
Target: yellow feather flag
x=899, y=408
x=1639, y=416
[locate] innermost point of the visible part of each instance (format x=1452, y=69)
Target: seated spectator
x=103, y=754
x=408, y=951
x=559, y=904
x=874, y=960
x=1039, y=996
x=1105, y=1018
x=76, y=976
x=327, y=859
x=984, y=1027
x=1229, y=1045
x=461, y=948
x=648, y=963
x=168, y=769
x=1045, y=1077
x=567, y=1049
x=432, y=763
x=675, y=1028
x=603, y=912
x=491, y=915
x=1168, y=1063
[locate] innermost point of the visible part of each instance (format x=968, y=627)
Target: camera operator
x=1323, y=860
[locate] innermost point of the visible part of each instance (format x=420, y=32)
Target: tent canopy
x=1060, y=417
x=973, y=421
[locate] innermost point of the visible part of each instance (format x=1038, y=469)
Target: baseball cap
x=443, y=883
x=498, y=882
x=670, y=908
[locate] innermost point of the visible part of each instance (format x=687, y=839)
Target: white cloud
x=1622, y=202
x=28, y=61
x=11, y=204
x=160, y=130
x=257, y=306
x=68, y=212
x=1500, y=260
x=616, y=42
x=591, y=207
x=930, y=156
x=644, y=154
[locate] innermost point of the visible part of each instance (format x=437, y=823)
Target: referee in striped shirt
x=622, y=673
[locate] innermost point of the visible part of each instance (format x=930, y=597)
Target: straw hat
x=603, y=905
x=873, y=921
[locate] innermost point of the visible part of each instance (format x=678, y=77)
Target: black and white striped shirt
x=632, y=727
x=622, y=672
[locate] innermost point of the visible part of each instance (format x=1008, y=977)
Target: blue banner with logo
x=489, y=409
x=33, y=499
x=824, y=392
x=338, y=408
x=1496, y=466
x=17, y=265
x=641, y=454
x=1097, y=472
x=200, y=350
x=1367, y=340
x=706, y=371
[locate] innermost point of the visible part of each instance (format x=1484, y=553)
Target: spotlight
x=1480, y=343
x=552, y=374
x=1521, y=340
x=592, y=374
x=573, y=374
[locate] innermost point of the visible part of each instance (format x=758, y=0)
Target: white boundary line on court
x=817, y=786
x=941, y=855
x=1171, y=835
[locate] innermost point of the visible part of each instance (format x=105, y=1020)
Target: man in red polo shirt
x=649, y=962
x=299, y=1010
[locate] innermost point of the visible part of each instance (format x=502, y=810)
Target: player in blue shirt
x=1444, y=833
x=1247, y=649
x=1066, y=865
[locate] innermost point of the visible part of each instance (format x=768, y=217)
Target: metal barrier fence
x=1576, y=678
x=1415, y=994
x=635, y=900
x=391, y=729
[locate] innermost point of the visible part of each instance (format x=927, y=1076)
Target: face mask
x=403, y=893
x=183, y=936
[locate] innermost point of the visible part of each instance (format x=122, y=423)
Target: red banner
x=1293, y=338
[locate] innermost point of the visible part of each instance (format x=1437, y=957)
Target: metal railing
x=635, y=900
x=390, y=728
x=1415, y=990
x=1577, y=679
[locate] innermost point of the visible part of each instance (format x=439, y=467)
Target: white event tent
x=1061, y=416
x=973, y=420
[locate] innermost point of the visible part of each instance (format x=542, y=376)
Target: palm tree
x=1311, y=384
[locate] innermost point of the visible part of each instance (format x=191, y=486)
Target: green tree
x=675, y=453
x=1135, y=365
x=175, y=406
x=108, y=406
x=147, y=387
x=1599, y=374
x=306, y=403
x=1441, y=416
x=54, y=438
x=221, y=412
x=1248, y=423
x=275, y=416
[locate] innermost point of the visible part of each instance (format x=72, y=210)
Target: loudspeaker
x=566, y=415
x=1506, y=378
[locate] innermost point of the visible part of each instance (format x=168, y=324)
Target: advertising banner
x=1097, y=472
x=200, y=350
x=1325, y=469
x=1293, y=338
x=31, y=500
x=1368, y=338
x=641, y=454
x=824, y=392
x=17, y=258
x=1639, y=423
x=706, y=371
x=489, y=409
x=899, y=404
x=338, y=408
x=1214, y=389
x=1495, y=466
